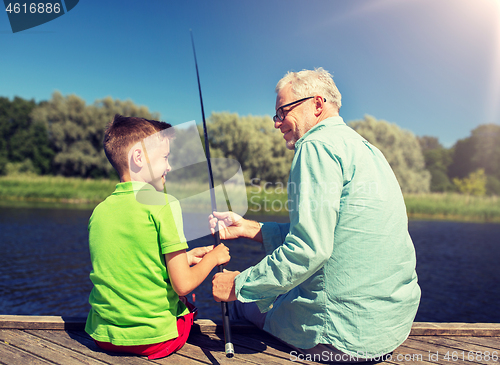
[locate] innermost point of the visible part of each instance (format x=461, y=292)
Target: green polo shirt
x=133, y=302
x=343, y=271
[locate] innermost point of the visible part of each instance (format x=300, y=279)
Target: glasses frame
x=282, y=113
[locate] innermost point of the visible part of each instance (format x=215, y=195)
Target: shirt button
x=271, y=306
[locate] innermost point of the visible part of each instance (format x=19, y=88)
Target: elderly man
x=339, y=280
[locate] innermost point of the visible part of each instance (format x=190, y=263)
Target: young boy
x=139, y=259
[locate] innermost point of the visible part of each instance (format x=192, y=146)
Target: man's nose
x=277, y=123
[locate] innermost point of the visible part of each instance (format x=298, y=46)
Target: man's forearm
x=253, y=231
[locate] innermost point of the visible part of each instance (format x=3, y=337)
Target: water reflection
x=45, y=261
x=458, y=268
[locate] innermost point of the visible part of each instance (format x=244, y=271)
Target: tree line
x=63, y=136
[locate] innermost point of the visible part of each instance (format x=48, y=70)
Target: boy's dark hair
x=123, y=132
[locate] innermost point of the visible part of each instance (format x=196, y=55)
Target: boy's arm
x=196, y=254
x=185, y=278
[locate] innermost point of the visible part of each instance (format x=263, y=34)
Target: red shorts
x=162, y=349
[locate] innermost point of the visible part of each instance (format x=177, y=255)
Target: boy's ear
x=138, y=158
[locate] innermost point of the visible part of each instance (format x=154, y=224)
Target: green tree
x=437, y=160
x=474, y=184
x=429, y=143
x=480, y=150
x=462, y=165
x=492, y=185
x=253, y=142
x=23, y=141
x=401, y=149
x=487, y=148
x=5, y=131
x=76, y=131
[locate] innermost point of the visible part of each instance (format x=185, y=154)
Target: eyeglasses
x=280, y=113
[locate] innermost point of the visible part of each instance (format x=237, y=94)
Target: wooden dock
x=59, y=340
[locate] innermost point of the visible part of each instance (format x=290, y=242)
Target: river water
x=45, y=265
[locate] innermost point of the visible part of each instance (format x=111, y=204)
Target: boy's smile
x=159, y=166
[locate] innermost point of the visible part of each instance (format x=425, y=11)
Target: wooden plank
x=491, y=342
x=266, y=344
x=260, y=355
x=189, y=354
x=42, y=322
x=455, y=329
x=437, y=352
x=215, y=344
x=11, y=355
x=193, y=350
x=403, y=362
x=277, y=348
x=85, y=346
x=284, y=348
x=45, y=349
x=260, y=348
x=208, y=349
x=456, y=343
x=253, y=346
x=268, y=340
x=209, y=326
x=403, y=355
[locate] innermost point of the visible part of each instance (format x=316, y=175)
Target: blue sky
x=430, y=66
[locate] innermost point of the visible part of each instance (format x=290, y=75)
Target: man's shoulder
x=335, y=138
x=331, y=130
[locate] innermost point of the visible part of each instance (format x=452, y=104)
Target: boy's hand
x=230, y=224
x=221, y=254
x=196, y=254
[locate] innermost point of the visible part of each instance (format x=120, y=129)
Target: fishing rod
x=224, y=305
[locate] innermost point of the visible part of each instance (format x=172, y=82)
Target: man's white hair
x=309, y=83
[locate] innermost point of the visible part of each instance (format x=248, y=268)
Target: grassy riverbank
x=30, y=190
x=453, y=206
x=54, y=189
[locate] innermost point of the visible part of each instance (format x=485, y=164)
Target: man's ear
x=319, y=105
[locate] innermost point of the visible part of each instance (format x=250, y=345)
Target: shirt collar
x=131, y=186
x=331, y=121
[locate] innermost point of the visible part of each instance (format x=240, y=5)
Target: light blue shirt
x=343, y=271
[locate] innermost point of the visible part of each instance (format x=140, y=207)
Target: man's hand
x=223, y=286
x=232, y=226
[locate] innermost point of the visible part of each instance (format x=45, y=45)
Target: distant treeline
x=63, y=136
